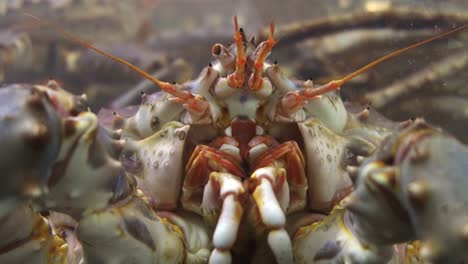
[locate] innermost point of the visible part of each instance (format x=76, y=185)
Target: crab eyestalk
x=236, y=79
x=256, y=80
x=222, y=55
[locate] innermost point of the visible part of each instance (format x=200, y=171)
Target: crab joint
x=264, y=195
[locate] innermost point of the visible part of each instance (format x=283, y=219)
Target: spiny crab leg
x=293, y=101
x=256, y=80
x=236, y=79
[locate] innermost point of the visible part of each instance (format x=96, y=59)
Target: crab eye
x=217, y=49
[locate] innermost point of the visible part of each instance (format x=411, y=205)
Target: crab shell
x=156, y=162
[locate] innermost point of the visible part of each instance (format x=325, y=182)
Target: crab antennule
x=335, y=84
x=165, y=86
x=236, y=79
x=255, y=81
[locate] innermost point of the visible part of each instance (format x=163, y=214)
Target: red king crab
x=241, y=163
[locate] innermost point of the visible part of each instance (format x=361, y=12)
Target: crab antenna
x=167, y=87
x=236, y=79
x=333, y=85
x=255, y=81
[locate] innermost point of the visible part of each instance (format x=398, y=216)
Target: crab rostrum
x=241, y=163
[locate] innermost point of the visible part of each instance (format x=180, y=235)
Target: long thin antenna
x=167, y=87
x=335, y=84
x=312, y=92
x=400, y=51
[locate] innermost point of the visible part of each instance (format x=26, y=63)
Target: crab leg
x=26, y=238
